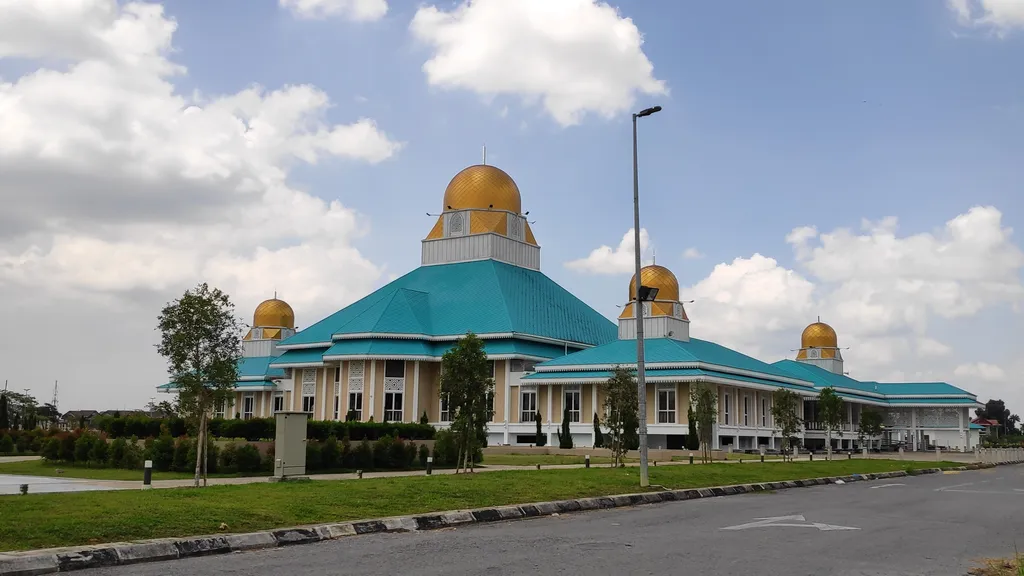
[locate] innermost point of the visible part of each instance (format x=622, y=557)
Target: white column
x=343, y=391
x=593, y=404
x=550, y=394
x=323, y=403
x=913, y=428
x=372, y=386
x=263, y=403
x=506, y=409
x=416, y=391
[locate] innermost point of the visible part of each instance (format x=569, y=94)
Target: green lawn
x=52, y=520
x=542, y=459
x=41, y=468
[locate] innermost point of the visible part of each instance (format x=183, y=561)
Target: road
x=927, y=525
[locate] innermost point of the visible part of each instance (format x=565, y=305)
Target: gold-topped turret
x=666, y=301
x=821, y=337
x=270, y=318
x=487, y=200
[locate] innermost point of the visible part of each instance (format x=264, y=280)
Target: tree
x=995, y=410
x=200, y=340
x=6, y=444
x=870, y=425
x=466, y=382
x=704, y=400
x=541, y=438
x=564, y=435
x=784, y=413
x=598, y=435
x=692, y=440
x=830, y=410
x=621, y=405
x=5, y=414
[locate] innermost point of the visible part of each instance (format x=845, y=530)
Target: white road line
x=953, y=486
x=1014, y=493
x=886, y=486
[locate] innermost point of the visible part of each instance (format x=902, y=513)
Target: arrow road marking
x=788, y=522
x=886, y=486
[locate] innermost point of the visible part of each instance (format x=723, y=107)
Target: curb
x=32, y=563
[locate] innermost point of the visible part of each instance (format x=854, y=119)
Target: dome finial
x=485, y=155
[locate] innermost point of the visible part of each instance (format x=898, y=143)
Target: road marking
x=953, y=486
x=782, y=522
x=886, y=486
x=947, y=472
x=1015, y=492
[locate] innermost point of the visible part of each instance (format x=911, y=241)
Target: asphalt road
x=927, y=525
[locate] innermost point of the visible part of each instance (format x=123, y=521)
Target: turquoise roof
x=666, y=350
x=380, y=347
x=403, y=347
x=300, y=356
x=259, y=366
x=540, y=377
x=484, y=297
x=932, y=400
x=822, y=378
x=906, y=388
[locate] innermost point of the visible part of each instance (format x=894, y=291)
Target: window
x=308, y=389
x=492, y=368
x=572, y=400
x=446, y=415
x=355, y=405
x=218, y=410
x=337, y=400
x=725, y=412
x=278, y=402
x=490, y=405
x=528, y=405
x=764, y=412
x=746, y=411
x=392, y=406
x=248, y=402
x=667, y=405
x=394, y=369
x=522, y=366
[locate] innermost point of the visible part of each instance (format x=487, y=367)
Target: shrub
x=162, y=453
x=67, y=448
x=410, y=455
x=363, y=456
x=424, y=454
x=330, y=453
x=347, y=459
x=51, y=450
x=182, y=460
x=36, y=444
x=99, y=452
x=229, y=458
x=6, y=444
x=446, y=451
x=116, y=452
x=191, y=455
x=382, y=453
x=267, y=464
x=82, y=448
x=313, y=460
x=247, y=458
x=396, y=455
x=132, y=459
x=22, y=442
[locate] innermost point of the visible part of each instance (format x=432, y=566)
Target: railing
x=819, y=426
x=528, y=416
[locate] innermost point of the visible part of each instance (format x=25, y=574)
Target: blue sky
x=778, y=116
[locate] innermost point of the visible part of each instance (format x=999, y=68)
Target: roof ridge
x=384, y=296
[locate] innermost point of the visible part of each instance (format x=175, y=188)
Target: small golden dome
x=274, y=313
x=819, y=335
x=659, y=277
x=483, y=187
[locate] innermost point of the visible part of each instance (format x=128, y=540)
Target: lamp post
x=640, y=296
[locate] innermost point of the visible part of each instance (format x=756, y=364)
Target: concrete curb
x=50, y=561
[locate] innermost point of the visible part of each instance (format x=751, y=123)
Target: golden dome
x=483, y=187
x=819, y=335
x=274, y=313
x=659, y=277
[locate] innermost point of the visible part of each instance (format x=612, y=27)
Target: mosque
x=380, y=357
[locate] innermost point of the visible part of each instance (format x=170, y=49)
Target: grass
x=54, y=520
x=41, y=468
x=542, y=459
x=1000, y=567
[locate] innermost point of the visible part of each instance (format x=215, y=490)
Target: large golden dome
x=483, y=187
x=659, y=277
x=273, y=313
x=819, y=335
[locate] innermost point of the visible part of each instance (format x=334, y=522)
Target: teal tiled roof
x=665, y=351
x=398, y=348
x=932, y=400
x=484, y=297
x=541, y=377
x=913, y=388
x=249, y=368
x=822, y=378
x=300, y=356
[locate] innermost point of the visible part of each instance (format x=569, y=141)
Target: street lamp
x=643, y=294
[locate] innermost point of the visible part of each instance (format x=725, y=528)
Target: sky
x=854, y=161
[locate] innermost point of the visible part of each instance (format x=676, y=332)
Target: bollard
x=864, y=451
x=359, y=474
x=430, y=464
x=586, y=461
x=849, y=455
x=538, y=466
x=147, y=475
x=655, y=463
x=762, y=458
x=23, y=489
x=938, y=454
x=811, y=456
x=691, y=457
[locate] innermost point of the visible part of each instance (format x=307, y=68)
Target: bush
x=22, y=443
x=363, y=456
x=183, y=461
x=313, y=460
x=162, y=453
x=6, y=444
x=51, y=450
x=229, y=458
x=247, y=458
x=267, y=464
x=396, y=455
x=410, y=455
x=132, y=459
x=83, y=446
x=116, y=452
x=330, y=453
x=98, y=454
x=191, y=455
x=424, y=454
x=347, y=459
x=446, y=451
x=382, y=453
x=36, y=444
x=67, y=448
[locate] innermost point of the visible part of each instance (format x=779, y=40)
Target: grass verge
x=1000, y=567
x=543, y=459
x=53, y=520
x=42, y=468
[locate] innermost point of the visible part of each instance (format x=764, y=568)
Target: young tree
x=541, y=438
x=5, y=413
x=870, y=425
x=466, y=381
x=200, y=340
x=704, y=400
x=620, y=400
x=598, y=435
x=564, y=435
x=784, y=413
x=692, y=440
x=6, y=444
x=830, y=410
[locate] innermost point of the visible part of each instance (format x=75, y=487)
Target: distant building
x=380, y=357
x=74, y=419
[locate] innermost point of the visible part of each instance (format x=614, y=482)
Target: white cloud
x=574, y=57
x=692, y=254
x=618, y=260
x=983, y=370
x=119, y=192
x=998, y=15
x=357, y=10
x=931, y=347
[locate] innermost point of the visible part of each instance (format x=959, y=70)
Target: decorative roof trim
x=448, y=338
x=422, y=358
x=855, y=391
x=942, y=395
x=304, y=346
x=675, y=365
x=936, y=405
x=298, y=365
x=669, y=379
